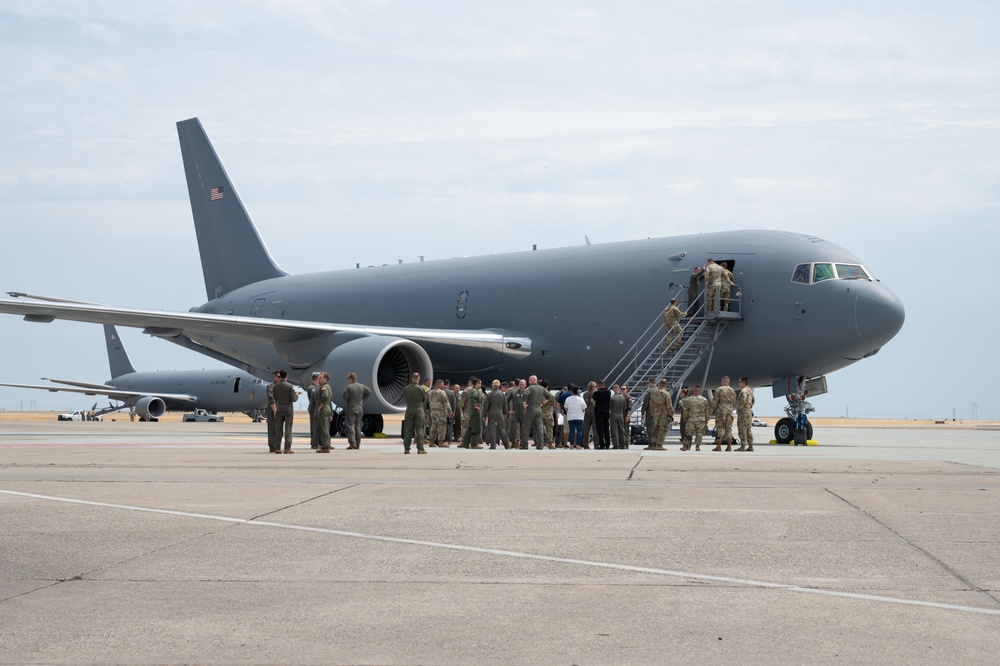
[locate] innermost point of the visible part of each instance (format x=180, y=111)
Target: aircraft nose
x=879, y=315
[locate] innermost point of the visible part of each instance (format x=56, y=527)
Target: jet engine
x=383, y=364
x=150, y=408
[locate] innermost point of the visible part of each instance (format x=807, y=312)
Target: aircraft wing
x=105, y=390
x=167, y=324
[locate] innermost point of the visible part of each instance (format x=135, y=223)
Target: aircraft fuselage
x=583, y=307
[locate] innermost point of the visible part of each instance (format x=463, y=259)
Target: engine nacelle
x=383, y=364
x=150, y=407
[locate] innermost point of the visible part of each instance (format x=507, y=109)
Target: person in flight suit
x=534, y=396
x=619, y=404
x=355, y=394
x=495, y=407
x=273, y=437
x=312, y=393
x=324, y=413
x=473, y=396
x=284, y=397
x=413, y=418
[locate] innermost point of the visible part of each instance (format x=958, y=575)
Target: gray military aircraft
x=807, y=306
x=152, y=394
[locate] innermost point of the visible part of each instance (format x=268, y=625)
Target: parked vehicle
x=80, y=416
x=200, y=415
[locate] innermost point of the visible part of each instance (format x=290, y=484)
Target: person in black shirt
x=602, y=416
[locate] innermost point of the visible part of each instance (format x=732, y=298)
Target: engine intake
x=383, y=364
x=150, y=407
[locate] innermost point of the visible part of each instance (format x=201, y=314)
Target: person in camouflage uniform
x=744, y=415
x=726, y=285
x=661, y=410
x=695, y=418
x=713, y=282
x=671, y=317
x=723, y=403
x=440, y=411
x=495, y=408
x=548, y=416
x=473, y=398
x=681, y=395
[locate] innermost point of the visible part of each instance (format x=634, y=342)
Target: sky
x=369, y=132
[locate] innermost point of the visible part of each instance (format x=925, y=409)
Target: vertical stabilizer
x=232, y=253
x=117, y=356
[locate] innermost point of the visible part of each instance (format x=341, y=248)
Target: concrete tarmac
x=177, y=543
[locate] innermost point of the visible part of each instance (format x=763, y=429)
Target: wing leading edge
x=270, y=331
x=103, y=389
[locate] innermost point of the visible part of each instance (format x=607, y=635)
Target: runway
x=181, y=543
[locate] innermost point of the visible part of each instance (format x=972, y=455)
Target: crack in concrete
x=923, y=551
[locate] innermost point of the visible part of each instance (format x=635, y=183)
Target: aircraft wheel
x=809, y=430
x=785, y=429
x=338, y=426
x=370, y=425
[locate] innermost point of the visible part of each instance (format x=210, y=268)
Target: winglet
x=232, y=252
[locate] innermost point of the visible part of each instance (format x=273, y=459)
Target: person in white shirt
x=574, y=408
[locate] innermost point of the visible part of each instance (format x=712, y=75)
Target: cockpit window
x=823, y=272
x=818, y=272
x=851, y=272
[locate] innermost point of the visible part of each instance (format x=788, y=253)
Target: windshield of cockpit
x=822, y=271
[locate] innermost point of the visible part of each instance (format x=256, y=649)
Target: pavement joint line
x=951, y=571
x=527, y=556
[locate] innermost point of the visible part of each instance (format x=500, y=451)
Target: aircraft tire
x=338, y=427
x=368, y=425
x=784, y=430
x=809, y=430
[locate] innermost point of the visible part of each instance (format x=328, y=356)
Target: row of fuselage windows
x=818, y=272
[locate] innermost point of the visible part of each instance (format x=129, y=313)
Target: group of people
x=281, y=396
x=718, y=285
x=696, y=409
x=524, y=413
x=507, y=415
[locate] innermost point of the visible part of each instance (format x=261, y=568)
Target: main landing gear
x=370, y=424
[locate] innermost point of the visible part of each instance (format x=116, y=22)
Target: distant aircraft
x=152, y=394
x=807, y=307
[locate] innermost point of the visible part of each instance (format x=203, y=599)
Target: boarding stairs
x=648, y=357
